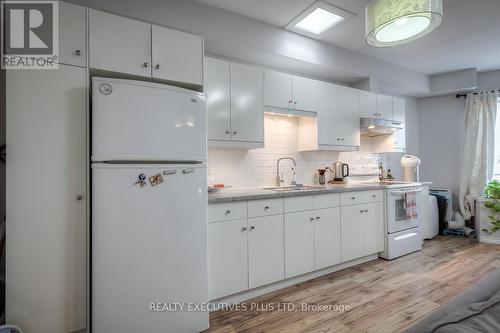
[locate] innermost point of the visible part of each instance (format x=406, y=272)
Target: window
x=496, y=170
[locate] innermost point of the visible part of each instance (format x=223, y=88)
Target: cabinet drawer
x=266, y=207
x=227, y=211
x=297, y=204
x=373, y=196
x=326, y=200
x=351, y=198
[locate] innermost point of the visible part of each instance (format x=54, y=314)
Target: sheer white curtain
x=479, y=148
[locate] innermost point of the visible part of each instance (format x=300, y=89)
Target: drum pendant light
x=395, y=22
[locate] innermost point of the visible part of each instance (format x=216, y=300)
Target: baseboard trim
x=489, y=239
x=252, y=293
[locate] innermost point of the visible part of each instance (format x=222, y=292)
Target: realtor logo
x=30, y=34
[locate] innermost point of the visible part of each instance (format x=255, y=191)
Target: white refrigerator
x=149, y=202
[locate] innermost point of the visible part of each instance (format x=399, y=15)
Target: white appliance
x=410, y=166
x=402, y=233
x=149, y=207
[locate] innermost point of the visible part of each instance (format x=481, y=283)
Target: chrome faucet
x=280, y=180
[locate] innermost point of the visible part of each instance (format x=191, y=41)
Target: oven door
x=396, y=212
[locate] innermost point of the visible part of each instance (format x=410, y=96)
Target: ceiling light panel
x=317, y=19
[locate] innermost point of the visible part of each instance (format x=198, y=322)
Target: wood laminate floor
x=383, y=296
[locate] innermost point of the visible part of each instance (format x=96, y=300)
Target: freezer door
x=149, y=248
x=144, y=121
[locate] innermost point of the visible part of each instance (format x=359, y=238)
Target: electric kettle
x=340, y=171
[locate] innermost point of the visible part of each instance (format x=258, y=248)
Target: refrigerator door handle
x=186, y=171
x=169, y=172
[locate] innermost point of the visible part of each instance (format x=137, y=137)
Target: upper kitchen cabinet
x=288, y=91
x=247, y=108
x=127, y=46
x=177, y=56
x=384, y=106
x=218, y=89
x=398, y=109
x=72, y=35
x=119, y=44
x=337, y=124
x=373, y=105
x=235, y=106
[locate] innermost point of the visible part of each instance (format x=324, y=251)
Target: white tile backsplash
x=257, y=167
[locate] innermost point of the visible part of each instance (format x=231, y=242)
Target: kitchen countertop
x=244, y=194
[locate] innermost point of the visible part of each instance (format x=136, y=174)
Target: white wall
x=257, y=167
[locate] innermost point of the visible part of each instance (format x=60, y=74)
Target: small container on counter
x=322, y=177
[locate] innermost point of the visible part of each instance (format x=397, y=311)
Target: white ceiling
x=469, y=36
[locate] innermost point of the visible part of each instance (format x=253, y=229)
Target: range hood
x=376, y=127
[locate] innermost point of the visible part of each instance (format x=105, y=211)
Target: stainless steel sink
x=293, y=188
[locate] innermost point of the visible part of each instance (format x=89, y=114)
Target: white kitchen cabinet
x=72, y=34
x=119, y=44
x=399, y=137
x=373, y=228
x=227, y=258
x=277, y=89
x=247, y=106
x=367, y=104
x=327, y=237
x=47, y=199
x=288, y=91
x=177, y=56
x=337, y=125
x=398, y=109
x=384, y=106
x=304, y=93
x=266, y=257
x=218, y=89
x=299, y=243
x=352, y=232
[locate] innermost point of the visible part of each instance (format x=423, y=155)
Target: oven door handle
x=395, y=193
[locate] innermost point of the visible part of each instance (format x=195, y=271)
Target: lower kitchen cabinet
x=266, y=257
x=327, y=238
x=362, y=230
x=227, y=258
x=299, y=243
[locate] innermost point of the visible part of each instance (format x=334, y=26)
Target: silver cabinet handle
x=361, y=211
x=79, y=197
x=235, y=132
x=374, y=195
x=252, y=228
x=366, y=210
x=311, y=219
x=78, y=52
x=228, y=211
x=157, y=66
x=295, y=103
x=290, y=104
x=227, y=132
x=353, y=198
x=342, y=139
x=146, y=64
x=186, y=171
x=266, y=207
x=243, y=229
x=169, y=172
x=317, y=218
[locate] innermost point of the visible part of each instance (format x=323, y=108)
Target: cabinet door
x=398, y=111
x=327, y=238
x=266, y=250
x=47, y=201
x=329, y=129
x=218, y=90
x=119, y=44
x=384, y=107
x=304, y=93
x=72, y=34
x=352, y=224
x=277, y=89
x=299, y=243
x=227, y=258
x=373, y=228
x=247, y=105
x=177, y=56
x=400, y=140
x=367, y=104
x=347, y=105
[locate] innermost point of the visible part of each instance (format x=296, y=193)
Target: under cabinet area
x=259, y=242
